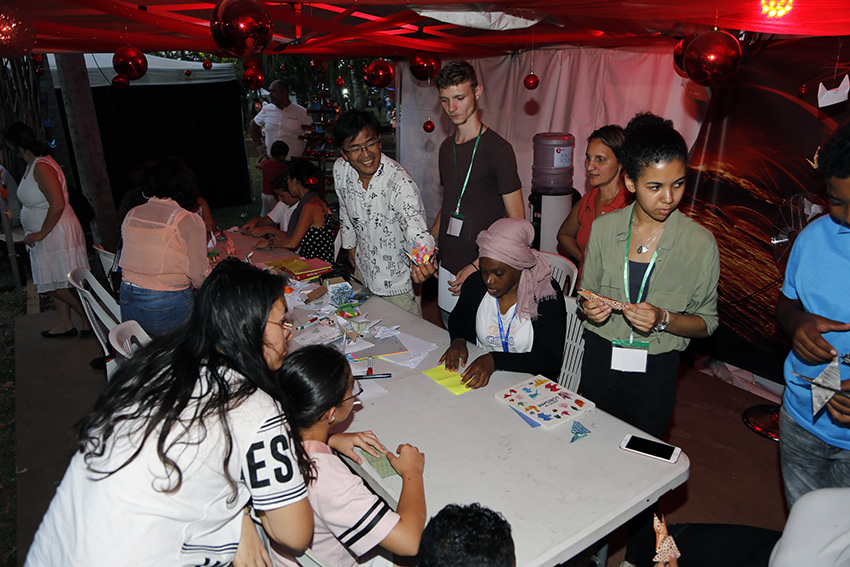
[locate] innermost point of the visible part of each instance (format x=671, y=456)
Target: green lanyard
x=468, y=171
x=626, y=265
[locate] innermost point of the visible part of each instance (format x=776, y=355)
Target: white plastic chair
x=570, y=377
x=128, y=337
x=109, y=261
x=101, y=309
x=562, y=269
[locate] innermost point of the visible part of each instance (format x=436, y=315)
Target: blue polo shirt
x=818, y=274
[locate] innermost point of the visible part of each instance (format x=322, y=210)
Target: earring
x=333, y=417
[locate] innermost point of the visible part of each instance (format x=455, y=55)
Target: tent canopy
x=161, y=71
x=387, y=27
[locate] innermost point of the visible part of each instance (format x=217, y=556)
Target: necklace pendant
x=642, y=249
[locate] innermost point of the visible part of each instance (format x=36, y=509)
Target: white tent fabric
x=580, y=90
x=161, y=71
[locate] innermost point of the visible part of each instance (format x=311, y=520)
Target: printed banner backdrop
x=749, y=158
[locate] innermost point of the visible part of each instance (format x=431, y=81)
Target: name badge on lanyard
x=631, y=355
x=456, y=219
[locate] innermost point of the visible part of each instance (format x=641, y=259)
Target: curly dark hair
x=313, y=380
x=834, y=156
x=612, y=136
x=168, y=178
x=152, y=398
x=651, y=139
x=472, y=536
x=455, y=73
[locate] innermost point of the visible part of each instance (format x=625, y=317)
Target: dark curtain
x=200, y=124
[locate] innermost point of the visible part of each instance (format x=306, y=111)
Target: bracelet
x=665, y=321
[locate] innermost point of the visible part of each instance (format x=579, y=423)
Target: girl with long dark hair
x=188, y=431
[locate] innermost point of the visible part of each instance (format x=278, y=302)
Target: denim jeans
x=158, y=312
x=807, y=462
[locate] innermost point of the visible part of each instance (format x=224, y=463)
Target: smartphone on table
x=650, y=448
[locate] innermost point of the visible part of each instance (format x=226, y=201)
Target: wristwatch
x=665, y=321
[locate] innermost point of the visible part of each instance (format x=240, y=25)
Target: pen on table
x=372, y=376
x=311, y=322
x=369, y=371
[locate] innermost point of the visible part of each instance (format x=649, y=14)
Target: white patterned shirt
x=382, y=222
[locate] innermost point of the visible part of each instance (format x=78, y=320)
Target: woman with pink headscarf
x=511, y=307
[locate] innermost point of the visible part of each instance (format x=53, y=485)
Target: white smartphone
x=650, y=448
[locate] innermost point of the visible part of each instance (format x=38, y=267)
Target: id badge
x=629, y=356
x=455, y=224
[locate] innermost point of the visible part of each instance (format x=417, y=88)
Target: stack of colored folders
x=301, y=269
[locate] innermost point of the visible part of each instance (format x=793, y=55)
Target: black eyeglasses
x=358, y=149
x=356, y=391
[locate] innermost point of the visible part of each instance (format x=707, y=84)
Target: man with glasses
x=380, y=210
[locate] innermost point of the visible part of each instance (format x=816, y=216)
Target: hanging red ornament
x=37, y=59
x=17, y=34
x=283, y=67
x=428, y=126
x=251, y=63
x=803, y=91
x=39, y=71
x=379, y=74
x=242, y=28
x=712, y=57
x=188, y=72
x=424, y=66
x=253, y=78
x=207, y=64
x=679, y=55
x=130, y=62
x=531, y=81
x=120, y=82
x=340, y=82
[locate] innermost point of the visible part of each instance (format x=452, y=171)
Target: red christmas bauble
x=37, y=59
x=207, y=64
x=188, y=72
x=428, y=126
x=803, y=91
x=130, y=62
x=379, y=74
x=712, y=57
x=242, y=28
x=39, y=71
x=253, y=78
x=340, y=82
x=531, y=81
x=251, y=63
x=679, y=55
x=424, y=66
x=120, y=82
x=17, y=34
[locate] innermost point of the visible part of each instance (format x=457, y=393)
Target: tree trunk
x=88, y=148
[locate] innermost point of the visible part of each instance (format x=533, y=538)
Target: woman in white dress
x=54, y=237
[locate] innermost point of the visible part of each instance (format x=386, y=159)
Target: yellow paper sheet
x=447, y=379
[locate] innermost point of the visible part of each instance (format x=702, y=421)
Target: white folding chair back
x=570, y=377
x=337, y=244
x=109, y=261
x=100, y=307
x=128, y=337
x=309, y=559
x=563, y=271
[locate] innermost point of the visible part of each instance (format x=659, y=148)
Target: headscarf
x=509, y=241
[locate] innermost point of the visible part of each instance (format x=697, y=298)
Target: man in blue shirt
x=814, y=309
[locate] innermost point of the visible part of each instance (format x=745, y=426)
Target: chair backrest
x=128, y=337
x=570, y=377
x=100, y=307
x=309, y=559
x=562, y=271
x=107, y=259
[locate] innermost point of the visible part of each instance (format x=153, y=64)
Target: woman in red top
x=608, y=193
